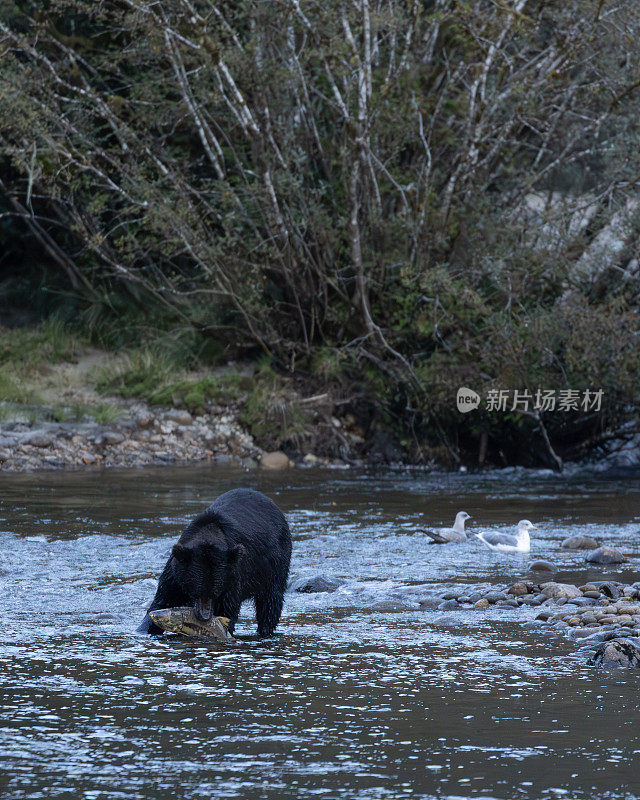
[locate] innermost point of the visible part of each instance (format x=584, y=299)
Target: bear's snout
x=203, y=609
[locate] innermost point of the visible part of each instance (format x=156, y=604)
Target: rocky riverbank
x=143, y=436
x=603, y=616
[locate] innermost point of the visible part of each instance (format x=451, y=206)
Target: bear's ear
x=236, y=553
x=181, y=553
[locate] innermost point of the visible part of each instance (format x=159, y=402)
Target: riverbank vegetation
x=375, y=203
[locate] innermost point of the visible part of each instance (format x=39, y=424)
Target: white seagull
x=446, y=535
x=506, y=543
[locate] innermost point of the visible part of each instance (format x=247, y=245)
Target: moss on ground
x=155, y=379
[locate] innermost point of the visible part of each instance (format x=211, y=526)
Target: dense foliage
x=389, y=199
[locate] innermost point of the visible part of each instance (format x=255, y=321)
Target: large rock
x=579, y=543
x=559, y=591
x=543, y=566
x=606, y=555
x=275, y=460
x=617, y=653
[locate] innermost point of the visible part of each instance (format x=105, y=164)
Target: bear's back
x=246, y=515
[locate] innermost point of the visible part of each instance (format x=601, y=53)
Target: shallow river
x=361, y=695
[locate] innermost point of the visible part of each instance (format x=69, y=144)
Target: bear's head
x=202, y=570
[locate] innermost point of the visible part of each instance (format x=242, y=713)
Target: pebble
x=113, y=437
x=518, y=589
x=144, y=419
x=38, y=440
x=179, y=416
x=494, y=597
x=583, y=601
x=482, y=603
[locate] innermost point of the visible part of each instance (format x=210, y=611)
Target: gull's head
x=524, y=526
x=458, y=525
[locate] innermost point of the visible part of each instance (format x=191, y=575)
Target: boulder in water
x=579, y=543
x=275, y=460
x=543, y=566
x=617, y=653
x=316, y=585
x=606, y=555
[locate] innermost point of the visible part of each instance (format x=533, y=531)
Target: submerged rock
x=579, y=543
x=316, y=585
x=429, y=603
x=605, y=555
x=617, y=653
x=392, y=606
x=543, y=566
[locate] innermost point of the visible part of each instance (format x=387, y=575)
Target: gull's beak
x=534, y=527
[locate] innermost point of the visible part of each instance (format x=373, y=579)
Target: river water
x=361, y=694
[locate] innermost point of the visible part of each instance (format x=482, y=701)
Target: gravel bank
x=143, y=436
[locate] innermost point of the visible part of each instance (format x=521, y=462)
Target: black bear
x=238, y=549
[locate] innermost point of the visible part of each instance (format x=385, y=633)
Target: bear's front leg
x=228, y=605
x=168, y=595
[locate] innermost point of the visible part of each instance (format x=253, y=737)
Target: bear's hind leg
x=268, y=611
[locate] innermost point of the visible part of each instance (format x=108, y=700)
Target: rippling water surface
x=361, y=695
